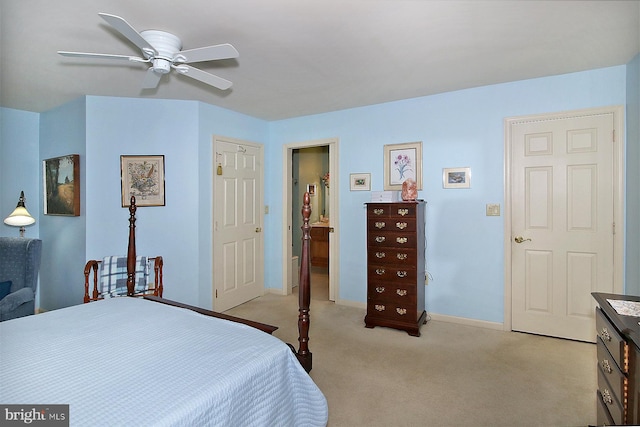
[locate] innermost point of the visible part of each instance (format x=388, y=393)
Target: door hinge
x=216, y=293
x=614, y=135
x=613, y=228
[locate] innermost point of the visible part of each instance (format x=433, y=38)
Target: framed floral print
x=401, y=162
x=142, y=177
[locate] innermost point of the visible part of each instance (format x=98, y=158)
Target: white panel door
x=562, y=237
x=238, y=262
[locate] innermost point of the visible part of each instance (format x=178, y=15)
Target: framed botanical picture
x=360, y=181
x=61, y=176
x=401, y=162
x=456, y=178
x=142, y=177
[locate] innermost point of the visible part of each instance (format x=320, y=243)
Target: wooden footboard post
x=131, y=250
x=303, y=354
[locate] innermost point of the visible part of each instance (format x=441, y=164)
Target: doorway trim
x=287, y=235
x=618, y=195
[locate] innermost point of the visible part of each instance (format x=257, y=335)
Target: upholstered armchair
x=19, y=264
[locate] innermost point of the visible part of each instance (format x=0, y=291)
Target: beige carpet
x=452, y=375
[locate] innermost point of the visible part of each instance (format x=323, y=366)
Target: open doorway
x=311, y=166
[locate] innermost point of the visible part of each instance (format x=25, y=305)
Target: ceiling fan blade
x=151, y=79
x=100, y=56
x=203, y=76
x=128, y=31
x=209, y=53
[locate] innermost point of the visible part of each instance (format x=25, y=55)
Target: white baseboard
x=465, y=321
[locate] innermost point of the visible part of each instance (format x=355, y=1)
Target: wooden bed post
x=131, y=250
x=304, y=290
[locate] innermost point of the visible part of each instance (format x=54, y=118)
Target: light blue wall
x=464, y=128
x=632, y=272
x=63, y=132
x=19, y=147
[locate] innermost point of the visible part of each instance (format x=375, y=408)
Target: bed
x=182, y=365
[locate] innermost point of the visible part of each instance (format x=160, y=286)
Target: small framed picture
x=456, y=177
x=142, y=177
x=311, y=189
x=360, y=181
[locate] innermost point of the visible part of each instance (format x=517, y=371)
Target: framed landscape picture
x=456, y=178
x=142, y=177
x=61, y=176
x=360, y=181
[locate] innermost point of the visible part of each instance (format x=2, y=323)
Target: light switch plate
x=493, y=209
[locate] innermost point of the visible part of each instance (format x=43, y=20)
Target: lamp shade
x=20, y=216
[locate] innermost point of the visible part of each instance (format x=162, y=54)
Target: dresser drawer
x=616, y=380
x=604, y=417
x=393, y=256
x=393, y=311
x=391, y=224
x=377, y=239
x=611, y=339
x=383, y=210
x=611, y=403
x=392, y=293
x=392, y=273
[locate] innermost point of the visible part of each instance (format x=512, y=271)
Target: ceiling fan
x=163, y=51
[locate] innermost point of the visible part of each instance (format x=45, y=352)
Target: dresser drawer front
x=609, y=370
x=604, y=417
x=392, y=311
x=611, y=403
x=611, y=339
x=377, y=239
x=392, y=292
x=391, y=224
x=393, y=256
x=383, y=210
x=391, y=273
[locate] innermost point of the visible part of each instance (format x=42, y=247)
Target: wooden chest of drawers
x=396, y=266
x=617, y=342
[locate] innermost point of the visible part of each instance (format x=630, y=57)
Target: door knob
x=258, y=229
x=520, y=239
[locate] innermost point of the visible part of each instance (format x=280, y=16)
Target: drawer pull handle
x=380, y=289
x=380, y=307
x=380, y=239
x=380, y=271
x=401, y=256
x=401, y=311
x=606, y=396
x=606, y=366
x=403, y=212
x=605, y=334
x=401, y=225
x=401, y=240
x=380, y=254
x=401, y=292
x=378, y=211
x=380, y=224
x=404, y=274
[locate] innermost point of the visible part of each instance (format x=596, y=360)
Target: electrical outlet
x=493, y=209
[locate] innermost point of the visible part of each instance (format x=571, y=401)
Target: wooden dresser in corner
x=618, y=341
x=396, y=265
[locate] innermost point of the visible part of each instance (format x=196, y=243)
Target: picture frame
x=360, y=181
x=311, y=189
x=61, y=183
x=142, y=177
x=456, y=177
x=401, y=162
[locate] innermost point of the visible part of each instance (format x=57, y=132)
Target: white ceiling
x=300, y=57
